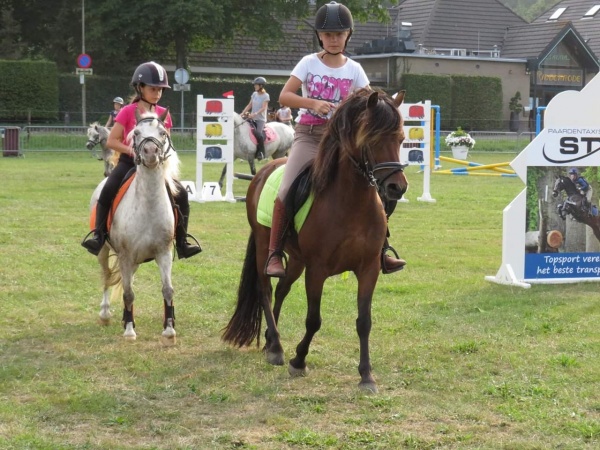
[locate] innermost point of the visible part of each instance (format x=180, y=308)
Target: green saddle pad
x=264, y=212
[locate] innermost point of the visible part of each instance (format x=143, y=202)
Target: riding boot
x=260, y=147
x=274, y=266
x=183, y=247
x=390, y=264
x=95, y=243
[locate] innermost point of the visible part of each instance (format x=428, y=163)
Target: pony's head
x=95, y=134
x=367, y=129
x=152, y=145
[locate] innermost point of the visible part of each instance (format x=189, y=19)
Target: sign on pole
x=182, y=76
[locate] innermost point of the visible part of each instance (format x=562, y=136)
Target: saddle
x=117, y=200
x=268, y=134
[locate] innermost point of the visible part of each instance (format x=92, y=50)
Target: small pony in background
x=98, y=134
x=142, y=226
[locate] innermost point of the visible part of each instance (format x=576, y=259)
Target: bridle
x=164, y=154
x=369, y=170
x=91, y=144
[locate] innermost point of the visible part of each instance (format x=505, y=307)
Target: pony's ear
x=163, y=116
x=138, y=116
x=399, y=98
x=373, y=99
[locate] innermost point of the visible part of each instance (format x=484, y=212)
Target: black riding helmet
x=151, y=74
x=334, y=17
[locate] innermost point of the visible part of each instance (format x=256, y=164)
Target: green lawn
x=461, y=363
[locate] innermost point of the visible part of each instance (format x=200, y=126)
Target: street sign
x=84, y=61
x=182, y=76
x=181, y=87
x=80, y=71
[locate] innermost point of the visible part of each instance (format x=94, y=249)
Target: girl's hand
x=324, y=108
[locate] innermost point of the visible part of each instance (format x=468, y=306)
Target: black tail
x=244, y=326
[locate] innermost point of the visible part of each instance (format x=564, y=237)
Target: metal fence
x=34, y=138
x=73, y=138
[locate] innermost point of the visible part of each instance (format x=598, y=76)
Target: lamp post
x=82, y=79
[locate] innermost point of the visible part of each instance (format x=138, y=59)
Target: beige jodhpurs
x=303, y=152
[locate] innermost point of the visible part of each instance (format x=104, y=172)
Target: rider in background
x=117, y=105
x=256, y=110
x=339, y=76
x=582, y=186
x=284, y=115
x=148, y=80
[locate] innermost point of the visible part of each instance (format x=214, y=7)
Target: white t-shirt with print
x=326, y=83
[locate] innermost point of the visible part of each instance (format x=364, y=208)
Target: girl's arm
x=115, y=140
x=289, y=97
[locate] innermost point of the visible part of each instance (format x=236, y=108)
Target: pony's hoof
x=368, y=387
x=104, y=317
x=129, y=334
x=168, y=337
x=275, y=359
x=295, y=373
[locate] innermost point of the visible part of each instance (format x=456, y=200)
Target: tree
x=120, y=37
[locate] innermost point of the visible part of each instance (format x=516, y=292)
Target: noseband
x=164, y=154
x=369, y=170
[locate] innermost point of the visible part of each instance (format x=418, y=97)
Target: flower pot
x=460, y=152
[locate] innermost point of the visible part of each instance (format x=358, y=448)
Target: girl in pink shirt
x=148, y=80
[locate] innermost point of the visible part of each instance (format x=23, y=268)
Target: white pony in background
x=143, y=225
x=97, y=134
x=279, y=141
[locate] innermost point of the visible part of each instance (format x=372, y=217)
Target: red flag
x=228, y=94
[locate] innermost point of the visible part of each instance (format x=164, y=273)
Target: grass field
x=461, y=363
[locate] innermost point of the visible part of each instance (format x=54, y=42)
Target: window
x=557, y=13
x=592, y=12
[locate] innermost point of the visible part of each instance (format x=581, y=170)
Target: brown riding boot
x=274, y=266
x=390, y=264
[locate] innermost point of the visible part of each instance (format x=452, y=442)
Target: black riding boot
x=183, y=247
x=260, y=147
x=95, y=243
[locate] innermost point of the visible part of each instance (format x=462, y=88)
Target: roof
x=587, y=27
x=472, y=27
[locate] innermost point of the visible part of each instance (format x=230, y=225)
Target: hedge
x=34, y=91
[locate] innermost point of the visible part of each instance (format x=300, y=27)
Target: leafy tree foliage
x=120, y=35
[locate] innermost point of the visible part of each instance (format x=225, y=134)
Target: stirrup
x=384, y=269
x=283, y=257
x=92, y=248
x=186, y=245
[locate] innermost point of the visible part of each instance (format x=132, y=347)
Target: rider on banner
x=583, y=187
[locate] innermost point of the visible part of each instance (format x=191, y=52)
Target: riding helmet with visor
x=573, y=171
x=334, y=16
x=150, y=74
x=118, y=100
x=260, y=81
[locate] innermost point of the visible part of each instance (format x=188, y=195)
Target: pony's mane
x=171, y=165
x=353, y=127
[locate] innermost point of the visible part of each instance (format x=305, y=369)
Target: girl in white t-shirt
x=325, y=78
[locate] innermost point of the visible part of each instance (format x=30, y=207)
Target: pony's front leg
x=168, y=337
x=128, y=298
x=314, y=290
x=105, y=314
x=366, y=286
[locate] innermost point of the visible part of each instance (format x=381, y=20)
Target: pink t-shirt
x=126, y=117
